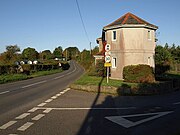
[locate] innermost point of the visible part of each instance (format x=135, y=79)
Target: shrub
x=98, y=69
x=138, y=74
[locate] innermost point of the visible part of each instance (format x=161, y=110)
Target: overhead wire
x=82, y=21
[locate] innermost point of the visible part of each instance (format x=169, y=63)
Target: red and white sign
x=107, y=47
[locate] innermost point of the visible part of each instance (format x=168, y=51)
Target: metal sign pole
x=107, y=74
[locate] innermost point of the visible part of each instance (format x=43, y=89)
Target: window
x=114, y=62
x=113, y=35
x=149, y=34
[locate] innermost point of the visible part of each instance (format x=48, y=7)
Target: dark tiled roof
x=130, y=18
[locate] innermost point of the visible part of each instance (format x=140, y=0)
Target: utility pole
x=90, y=49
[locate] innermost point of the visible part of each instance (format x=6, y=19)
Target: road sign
x=108, y=53
x=107, y=47
x=107, y=64
x=107, y=58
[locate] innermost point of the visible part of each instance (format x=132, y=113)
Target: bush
x=98, y=69
x=138, y=74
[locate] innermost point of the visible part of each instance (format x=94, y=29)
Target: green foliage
x=71, y=53
x=46, y=55
x=30, y=54
x=162, y=56
x=98, y=69
x=58, y=52
x=138, y=74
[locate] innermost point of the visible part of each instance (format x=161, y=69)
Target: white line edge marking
x=10, y=123
x=25, y=126
x=47, y=110
x=4, y=92
x=22, y=116
x=54, y=97
x=33, y=109
x=49, y=100
x=13, y=134
x=42, y=104
x=39, y=116
x=34, y=84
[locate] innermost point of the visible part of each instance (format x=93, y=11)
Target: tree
x=58, y=52
x=95, y=50
x=162, y=56
x=11, y=54
x=30, y=54
x=46, y=55
x=71, y=53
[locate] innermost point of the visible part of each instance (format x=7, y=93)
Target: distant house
x=132, y=41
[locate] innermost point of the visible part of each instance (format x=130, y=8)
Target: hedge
x=28, y=68
x=138, y=74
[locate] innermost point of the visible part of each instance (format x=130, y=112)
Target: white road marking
x=58, y=95
x=13, y=134
x=39, y=116
x=62, y=92
x=34, y=84
x=42, y=104
x=49, y=100
x=47, y=110
x=33, y=109
x=68, y=89
x=54, y=97
x=177, y=103
x=10, y=123
x=4, y=92
x=25, y=126
x=121, y=120
x=22, y=116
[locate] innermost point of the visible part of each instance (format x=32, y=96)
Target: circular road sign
x=107, y=47
x=107, y=58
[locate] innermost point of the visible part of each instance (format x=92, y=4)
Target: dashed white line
x=25, y=126
x=10, y=123
x=39, y=116
x=4, y=92
x=54, y=97
x=49, y=100
x=33, y=109
x=34, y=84
x=42, y=104
x=62, y=92
x=58, y=95
x=47, y=110
x=22, y=116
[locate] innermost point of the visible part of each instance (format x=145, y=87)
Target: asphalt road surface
x=46, y=106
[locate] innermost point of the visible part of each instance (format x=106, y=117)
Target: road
x=46, y=106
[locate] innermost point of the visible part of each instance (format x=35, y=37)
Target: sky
x=47, y=24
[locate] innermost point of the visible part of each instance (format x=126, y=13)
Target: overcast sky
x=46, y=24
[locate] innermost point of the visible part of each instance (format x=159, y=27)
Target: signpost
x=107, y=63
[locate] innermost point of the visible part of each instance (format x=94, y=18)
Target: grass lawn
x=93, y=80
x=16, y=77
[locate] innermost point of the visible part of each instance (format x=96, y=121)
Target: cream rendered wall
x=131, y=47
